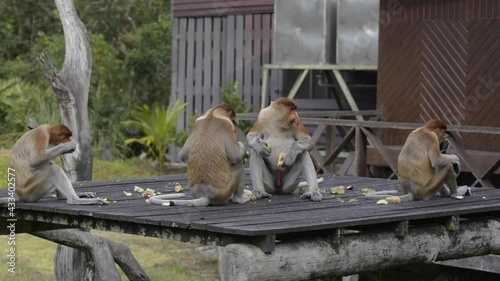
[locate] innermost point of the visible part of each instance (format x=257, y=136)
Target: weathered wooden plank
x=217, y=64
x=190, y=61
x=256, y=60
x=198, y=66
x=246, y=83
x=207, y=64
x=174, y=61
x=239, y=51
x=230, y=51
x=266, y=55
x=360, y=152
x=182, y=60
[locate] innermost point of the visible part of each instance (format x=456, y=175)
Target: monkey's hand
x=68, y=147
x=444, y=145
x=456, y=168
x=260, y=147
x=292, y=152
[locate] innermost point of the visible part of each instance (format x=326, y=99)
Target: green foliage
x=17, y=98
x=130, y=43
x=159, y=125
x=231, y=96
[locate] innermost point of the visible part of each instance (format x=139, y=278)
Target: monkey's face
x=442, y=135
x=287, y=110
x=59, y=134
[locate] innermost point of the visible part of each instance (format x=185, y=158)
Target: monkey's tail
x=166, y=199
x=433, y=185
x=389, y=193
x=381, y=194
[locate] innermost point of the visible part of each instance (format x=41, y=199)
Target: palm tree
x=159, y=124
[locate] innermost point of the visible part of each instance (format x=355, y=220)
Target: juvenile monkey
x=422, y=169
x=279, y=130
x=36, y=174
x=214, y=154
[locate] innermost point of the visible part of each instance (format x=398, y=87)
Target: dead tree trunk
x=71, y=86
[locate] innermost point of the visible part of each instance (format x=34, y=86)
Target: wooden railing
x=361, y=132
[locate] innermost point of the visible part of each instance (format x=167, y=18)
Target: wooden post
x=361, y=170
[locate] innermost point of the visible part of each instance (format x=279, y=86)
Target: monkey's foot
x=240, y=200
x=86, y=194
x=261, y=194
x=313, y=195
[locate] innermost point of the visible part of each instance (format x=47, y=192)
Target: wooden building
x=216, y=42
x=440, y=59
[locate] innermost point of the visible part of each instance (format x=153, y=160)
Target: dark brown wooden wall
x=440, y=59
x=196, y=8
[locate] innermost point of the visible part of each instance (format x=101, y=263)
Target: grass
x=161, y=259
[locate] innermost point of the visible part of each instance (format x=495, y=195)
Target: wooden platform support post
x=361, y=252
x=361, y=169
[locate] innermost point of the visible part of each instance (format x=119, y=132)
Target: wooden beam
x=347, y=138
x=381, y=148
x=297, y=84
x=468, y=161
x=263, y=100
x=347, y=164
x=361, y=169
x=321, y=67
x=347, y=93
x=491, y=170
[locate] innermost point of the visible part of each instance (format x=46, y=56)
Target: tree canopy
x=130, y=42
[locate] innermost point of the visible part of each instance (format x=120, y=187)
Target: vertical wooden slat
x=198, y=67
x=360, y=154
x=266, y=53
x=207, y=64
x=217, y=64
x=246, y=84
x=174, y=61
x=238, y=45
x=275, y=79
x=181, y=74
x=256, y=61
x=230, y=46
x=190, y=51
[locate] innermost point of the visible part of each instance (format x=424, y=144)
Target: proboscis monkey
x=278, y=130
x=423, y=170
x=214, y=156
x=35, y=174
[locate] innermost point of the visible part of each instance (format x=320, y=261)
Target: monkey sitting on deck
x=214, y=156
x=277, y=132
x=423, y=170
x=35, y=174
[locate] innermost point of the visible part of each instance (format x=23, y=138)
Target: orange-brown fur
x=213, y=154
x=422, y=164
x=207, y=160
x=36, y=175
x=28, y=148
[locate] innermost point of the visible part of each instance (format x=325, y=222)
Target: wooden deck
x=260, y=222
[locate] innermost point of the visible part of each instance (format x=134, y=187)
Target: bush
x=159, y=124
